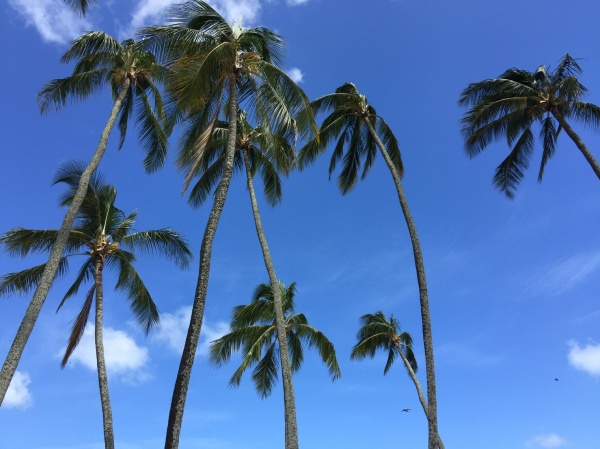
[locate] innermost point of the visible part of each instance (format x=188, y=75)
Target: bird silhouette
x=406, y=410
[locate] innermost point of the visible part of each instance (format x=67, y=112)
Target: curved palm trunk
x=423, y=296
x=422, y=399
x=291, y=425
x=41, y=291
x=191, y=341
x=575, y=138
x=413, y=376
x=109, y=437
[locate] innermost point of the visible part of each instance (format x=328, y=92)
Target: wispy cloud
x=547, y=441
x=54, y=21
x=124, y=358
x=586, y=358
x=565, y=274
x=18, y=394
x=466, y=355
x=173, y=330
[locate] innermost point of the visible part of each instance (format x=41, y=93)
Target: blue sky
x=513, y=284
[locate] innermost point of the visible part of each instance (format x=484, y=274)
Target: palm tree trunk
x=191, y=341
x=422, y=400
x=291, y=425
x=575, y=138
x=433, y=437
x=41, y=291
x=109, y=437
x=413, y=376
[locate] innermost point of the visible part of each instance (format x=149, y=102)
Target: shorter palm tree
x=253, y=330
x=509, y=105
x=103, y=235
x=377, y=332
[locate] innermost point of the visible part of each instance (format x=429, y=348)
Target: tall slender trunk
x=575, y=138
x=433, y=436
x=109, y=437
x=291, y=425
x=191, y=341
x=41, y=291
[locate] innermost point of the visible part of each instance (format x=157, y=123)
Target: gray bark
x=577, y=140
x=109, y=437
x=41, y=291
x=434, y=441
x=291, y=425
x=191, y=341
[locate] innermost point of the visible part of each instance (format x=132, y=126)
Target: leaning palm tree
x=510, y=105
x=354, y=126
x=104, y=236
x=218, y=67
x=132, y=74
x=253, y=330
x=377, y=332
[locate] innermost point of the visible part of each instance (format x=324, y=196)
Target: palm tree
x=103, y=235
x=216, y=67
x=257, y=150
x=375, y=333
x=131, y=73
x=510, y=104
x=253, y=330
x=355, y=127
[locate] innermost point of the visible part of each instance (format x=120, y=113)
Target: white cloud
x=295, y=74
x=296, y=2
x=173, y=330
x=18, y=394
x=548, y=441
x=122, y=354
x=567, y=274
x=585, y=358
x=52, y=18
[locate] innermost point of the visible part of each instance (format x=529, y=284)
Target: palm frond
x=86, y=274
x=80, y=6
x=140, y=301
x=59, y=92
x=78, y=327
x=316, y=339
x=548, y=134
x=23, y=281
x=511, y=171
x=264, y=374
x=166, y=242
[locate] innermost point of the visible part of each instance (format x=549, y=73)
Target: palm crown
x=268, y=155
x=253, y=331
x=348, y=127
x=100, y=60
x=509, y=105
x=375, y=333
x=104, y=235
x=206, y=53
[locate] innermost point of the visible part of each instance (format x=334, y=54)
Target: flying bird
x=406, y=410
